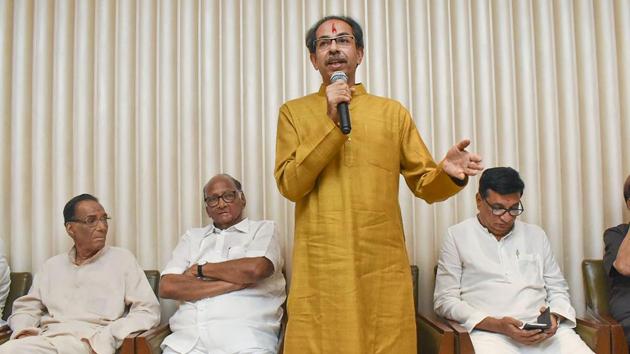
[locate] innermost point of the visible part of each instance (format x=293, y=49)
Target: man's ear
x=628, y=203
x=69, y=230
x=313, y=58
x=243, y=199
x=360, y=56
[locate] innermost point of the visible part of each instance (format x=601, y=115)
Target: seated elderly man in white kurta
x=228, y=277
x=86, y=300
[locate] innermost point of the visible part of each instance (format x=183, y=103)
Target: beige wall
x=139, y=102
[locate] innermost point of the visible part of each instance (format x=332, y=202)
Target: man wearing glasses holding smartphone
x=228, y=279
x=496, y=275
x=86, y=300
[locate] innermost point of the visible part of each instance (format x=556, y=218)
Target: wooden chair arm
x=463, y=344
x=595, y=333
x=5, y=334
x=149, y=341
x=617, y=335
x=283, y=329
x=434, y=335
x=129, y=344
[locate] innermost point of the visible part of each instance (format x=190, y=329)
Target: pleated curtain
x=141, y=102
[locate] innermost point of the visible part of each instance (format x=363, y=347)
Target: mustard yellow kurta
x=351, y=284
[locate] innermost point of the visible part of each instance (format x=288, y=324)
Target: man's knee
x=566, y=341
x=4, y=348
x=12, y=346
x=33, y=344
x=492, y=343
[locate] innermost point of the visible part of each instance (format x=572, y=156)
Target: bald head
x=223, y=176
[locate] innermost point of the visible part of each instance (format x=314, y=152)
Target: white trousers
x=45, y=345
x=565, y=341
x=201, y=348
x=197, y=350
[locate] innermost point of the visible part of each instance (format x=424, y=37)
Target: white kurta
x=90, y=300
x=235, y=321
x=479, y=276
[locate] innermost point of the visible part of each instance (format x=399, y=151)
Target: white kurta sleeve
x=144, y=312
x=28, y=310
x=180, y=260
x=266, y=244
x=556, y=286
x=447, y=301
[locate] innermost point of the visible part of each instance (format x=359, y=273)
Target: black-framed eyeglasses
x=228, y=197
x=92, y=221
x=344, y=40
x=499, y=211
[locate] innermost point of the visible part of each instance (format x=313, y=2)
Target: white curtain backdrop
x=140, y=102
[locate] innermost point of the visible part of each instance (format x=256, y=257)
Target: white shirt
x=247, y=318
x=479, y=276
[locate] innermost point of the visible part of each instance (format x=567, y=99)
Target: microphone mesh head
x=338, y=75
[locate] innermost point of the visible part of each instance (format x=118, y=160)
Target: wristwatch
x=199, y=271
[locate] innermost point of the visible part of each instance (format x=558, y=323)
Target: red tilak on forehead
x=334, y=30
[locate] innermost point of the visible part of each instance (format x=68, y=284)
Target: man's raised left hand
x=459, y=163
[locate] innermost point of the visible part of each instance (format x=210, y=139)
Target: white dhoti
x=205, y=341
x=565, y=341
x=45, y=345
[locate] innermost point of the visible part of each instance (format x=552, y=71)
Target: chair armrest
x=5, y=334
x=617, y=335
x=434, y=335
x=129, y=344
x=463, y=344
x=283, y=329
x=595, y=333
x=149, y=342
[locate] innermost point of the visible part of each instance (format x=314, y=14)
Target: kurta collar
x=485, y=229
x=72, y=255
x=242, y=226
x=359, y=90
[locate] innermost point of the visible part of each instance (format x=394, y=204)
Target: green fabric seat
x=20, y=284
x=596, y=295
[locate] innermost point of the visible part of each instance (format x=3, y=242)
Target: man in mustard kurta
x=351, y=288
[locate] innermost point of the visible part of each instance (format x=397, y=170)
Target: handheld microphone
x=342, y=107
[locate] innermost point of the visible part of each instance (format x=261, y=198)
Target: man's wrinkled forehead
x=218, y=184
x=333, y=28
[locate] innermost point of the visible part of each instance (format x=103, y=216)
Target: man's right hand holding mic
x=338, y=96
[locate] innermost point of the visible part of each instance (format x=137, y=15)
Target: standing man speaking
x=351, y=286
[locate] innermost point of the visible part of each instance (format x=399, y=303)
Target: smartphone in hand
x=542, y=322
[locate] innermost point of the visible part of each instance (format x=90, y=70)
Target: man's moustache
x=335, y=60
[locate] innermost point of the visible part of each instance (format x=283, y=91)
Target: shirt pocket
x=211, y=256
x=530, y=269
x=236, y=252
